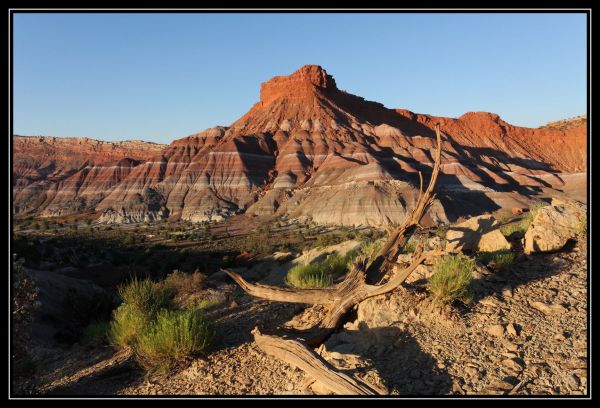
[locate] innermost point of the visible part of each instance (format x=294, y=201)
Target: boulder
x=493, y=241
x=554, y=225
x=467, y=235
x=517, y=210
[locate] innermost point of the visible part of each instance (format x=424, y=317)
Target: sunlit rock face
x=305, y=149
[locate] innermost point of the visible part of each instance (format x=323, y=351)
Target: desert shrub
x=336, y=264
x=259, y=242
x=309, y=276
x=410, y=247
x=370, y=249
x=327, y=240
x=320, y=274
x=441, y=231
x=519, y=227
x=368, y=236
x=174, y=338
x=144, y=295
x=202, y=303
x=179, y=282
x=127, y=324
x=94, y=334
x=451, y=279
x=499, y=260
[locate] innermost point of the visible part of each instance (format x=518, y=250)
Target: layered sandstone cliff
x=308, y=149
x=56, y=176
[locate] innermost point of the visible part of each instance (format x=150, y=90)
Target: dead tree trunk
x=298, y=355
x=362, y=282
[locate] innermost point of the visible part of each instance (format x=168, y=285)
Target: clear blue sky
x=160, y=77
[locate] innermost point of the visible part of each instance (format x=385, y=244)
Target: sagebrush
x=451, y=279
x=174, y=338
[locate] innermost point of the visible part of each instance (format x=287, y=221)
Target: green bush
x=175, y=337
x=320, y=274
x=179, y=282
x=144, y=296
x=127, y=324
x=95, y=334
x=441, y=231
x=336, y=264
x=519, y=227
x=451, y=279
x=500, y=260
x=309, y=276
x=410, y=247
x=327, y=240
x=370, y=249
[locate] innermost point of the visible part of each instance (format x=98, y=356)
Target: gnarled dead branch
x=298, y=355
x=361, y=282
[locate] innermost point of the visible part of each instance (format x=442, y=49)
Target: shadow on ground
x=400, y=361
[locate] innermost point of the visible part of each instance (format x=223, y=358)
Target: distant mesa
x=305, y=149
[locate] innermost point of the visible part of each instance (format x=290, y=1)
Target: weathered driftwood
x=362, y=282
x=340, y=299
x=298, y=355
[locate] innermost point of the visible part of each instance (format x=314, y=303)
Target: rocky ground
x=525, y=333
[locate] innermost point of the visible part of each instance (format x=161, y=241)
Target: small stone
x=471, y=372
x=548, y=309
x=289, y=386
x=496, y=330
x=573, y=382
x=560, y=337
x=507, y=293
x=511, y=346
x=512, y=329
x=512, y=363
x=456, y=388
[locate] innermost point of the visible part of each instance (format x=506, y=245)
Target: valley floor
x=525, y=334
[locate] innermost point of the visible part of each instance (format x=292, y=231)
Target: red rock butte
x=302, y=83
x=305, y=149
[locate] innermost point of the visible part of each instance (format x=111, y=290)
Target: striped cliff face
x=56, y=176
x=309, y=149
